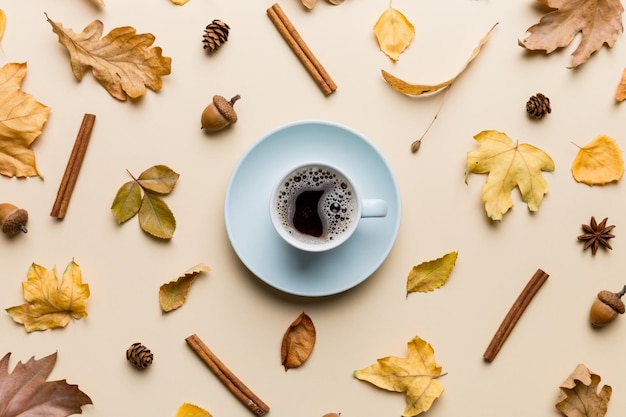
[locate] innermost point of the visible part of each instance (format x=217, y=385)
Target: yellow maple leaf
x=599, y=162
x=509, y=165
x=48, y=304
x=417, y=376
x=122, y=61
x=429, y=276
x=21, y=121
x=190, y=410
x=393, y=32
x=579, y=395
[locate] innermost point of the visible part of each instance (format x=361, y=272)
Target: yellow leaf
x=419, y=89
x=393, y=32
x=3, y=22
x=174, y=294
x=21, y=121
x=417, y=376
x=48, y=304
x=155, y=217
x=509, y=165
x=179, y=2
x=599, y=162
x=620, y=93
x=579, y=395
x=431, y=275
x=190, y=410
x=121, y=61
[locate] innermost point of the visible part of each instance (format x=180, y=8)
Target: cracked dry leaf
x=509, y=165
x=394, y=33
x=173, y=295
x=122, y=61
x=579, y=396
x=298, y=342
x=428, y=276
x=599, y=162
x=598, y=21
x=25, y=391
x=190, y=410
x=51, y=305
x=22, y=119
x=417, y=376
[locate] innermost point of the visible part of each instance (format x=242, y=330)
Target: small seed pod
x=12, y=219
x=606, y=307
x=139, y=355
x=219, y=114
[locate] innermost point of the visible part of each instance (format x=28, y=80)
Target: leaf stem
x=416, y=144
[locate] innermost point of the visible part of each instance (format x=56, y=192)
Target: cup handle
x=373, y=207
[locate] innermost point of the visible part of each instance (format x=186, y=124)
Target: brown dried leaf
x=579, y=395
x=174, y=294
x=298, y=342
x=309, y=4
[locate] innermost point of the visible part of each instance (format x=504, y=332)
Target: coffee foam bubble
x=336, y=207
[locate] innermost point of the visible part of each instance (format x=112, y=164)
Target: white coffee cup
x=316, y=207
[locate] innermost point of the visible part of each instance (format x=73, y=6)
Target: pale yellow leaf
x=429, y=276
x=190, y=410
x=393, y=32
x=173, y=295
x=599, y=162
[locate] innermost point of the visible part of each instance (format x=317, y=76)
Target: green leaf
x=155, y=217
x=173, y=295
x=431, y=275
x=158, y=179
x=127, y=202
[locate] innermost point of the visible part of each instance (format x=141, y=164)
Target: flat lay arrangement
x=315, y=208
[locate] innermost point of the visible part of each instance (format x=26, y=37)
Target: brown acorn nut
x=606, y=307
x=219, y=114
x=12, y=219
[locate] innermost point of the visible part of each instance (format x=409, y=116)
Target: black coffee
x=306, y=219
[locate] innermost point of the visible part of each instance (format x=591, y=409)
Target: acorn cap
x=225, y=107
x=14, y=222
x=611, y=299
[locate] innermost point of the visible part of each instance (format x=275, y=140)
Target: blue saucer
x=250, y=229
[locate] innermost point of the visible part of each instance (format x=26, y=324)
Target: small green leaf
x=431, y=275
x=127, y=202
x=158, y=179
x=155, y=217
x=172, y=295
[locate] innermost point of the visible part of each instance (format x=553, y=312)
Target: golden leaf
x=179, y=2
x=431, y=275
x=579, y=395
x=599, y=162
x=419, y=89
x=21, y=121
x=298, y=342
x=417, y=376
x=3, y=22
x=509, y=165
x=174, y=294
x=190, y=410
x=620, y=93
x=393, y=32
x=48, y=304
x=121, y=61
x=598, y=21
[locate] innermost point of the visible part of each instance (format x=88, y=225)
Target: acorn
x=219, y=114
x=606, y=307
x=12, y=219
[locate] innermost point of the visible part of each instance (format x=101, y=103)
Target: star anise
x=596, y=235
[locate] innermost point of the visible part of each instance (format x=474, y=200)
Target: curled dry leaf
x=190, y=410
x=26, y=392
x=122, y=61
x=394, y=33
x=429, y=276
x=599, y=162
x=579, y=396
x=298, y=342
x=174, y=294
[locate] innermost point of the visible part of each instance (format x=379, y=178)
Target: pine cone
x=538, y=106
x=215, y=34
x=138, y=355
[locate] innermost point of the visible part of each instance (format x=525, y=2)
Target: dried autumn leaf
x=190, y=410
x=309, y=4
x=509, y=165
x=21, y=121
x=620, y=93
x=48, y=304
x=298, y=342
x=172, y=295
x=417, y=376
x=25, y=391
x=579, y=395
x=599, y=162
x=127, y=202
x=158, y=179
x=429, y=276
x=418, y=89
x=3, y=22
x=122, y=61
x=394, y=33
x=599, y=22
x=179, y=2
x=155, y=217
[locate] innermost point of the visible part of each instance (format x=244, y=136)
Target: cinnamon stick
x=225, y=375
x=301, y=49
x=59, y=209
x=514, y=314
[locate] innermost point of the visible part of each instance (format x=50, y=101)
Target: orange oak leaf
x=298, y=342
x=579, y=396
x=598, y=21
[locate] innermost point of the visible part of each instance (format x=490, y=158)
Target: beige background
x=243, y=320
